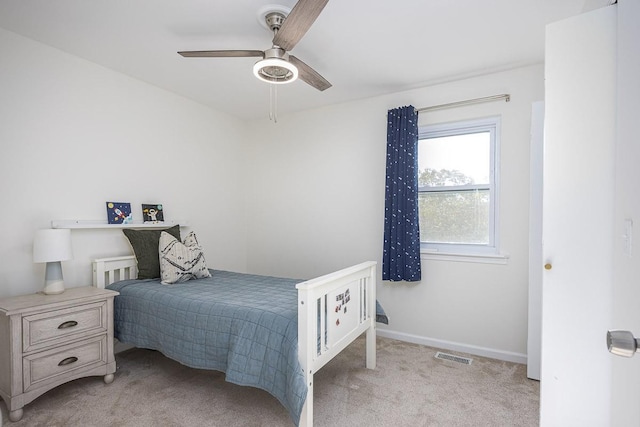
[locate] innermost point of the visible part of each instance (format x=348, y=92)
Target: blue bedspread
x=240, y=324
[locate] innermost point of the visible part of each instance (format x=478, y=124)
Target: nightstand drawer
x=58, y=364
x=59, y=326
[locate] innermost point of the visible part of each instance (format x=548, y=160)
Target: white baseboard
x=455, y=346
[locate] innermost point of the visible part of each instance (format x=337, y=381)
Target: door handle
x=622, y=343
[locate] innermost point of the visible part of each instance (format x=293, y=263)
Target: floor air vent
x=453, y=358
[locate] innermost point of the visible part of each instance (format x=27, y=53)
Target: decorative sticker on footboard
x=344, y=315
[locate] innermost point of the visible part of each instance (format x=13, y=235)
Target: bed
x=266, y=332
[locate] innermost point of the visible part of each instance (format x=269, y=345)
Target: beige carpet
x=409, y=388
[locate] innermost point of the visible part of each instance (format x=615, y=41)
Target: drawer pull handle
x=68, y=361
x=69, y=324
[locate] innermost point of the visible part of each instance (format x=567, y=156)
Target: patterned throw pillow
x=180, y=262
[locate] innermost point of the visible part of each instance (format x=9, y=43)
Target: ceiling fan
x=276, y=65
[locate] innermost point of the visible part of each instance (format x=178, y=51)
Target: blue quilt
x=240, y=324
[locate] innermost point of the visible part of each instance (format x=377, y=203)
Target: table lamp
x=52, y=246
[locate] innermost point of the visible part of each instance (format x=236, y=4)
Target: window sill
x=468, y=257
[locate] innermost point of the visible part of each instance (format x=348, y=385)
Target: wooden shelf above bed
x=94, y=224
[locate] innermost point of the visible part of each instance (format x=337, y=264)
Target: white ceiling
x=363, y=47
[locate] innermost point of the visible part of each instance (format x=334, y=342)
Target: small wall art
x=152, y=213
x=119, y=213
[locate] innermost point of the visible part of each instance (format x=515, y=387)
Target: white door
x=625, y=392
x=591, y=206
x=578, y=197
x=534, y=334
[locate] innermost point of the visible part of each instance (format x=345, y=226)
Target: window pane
x=454, y=217
x=455, y=160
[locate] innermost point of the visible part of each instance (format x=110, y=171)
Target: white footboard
x=334, y=310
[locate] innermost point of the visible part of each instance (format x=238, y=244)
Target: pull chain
x=273, y=103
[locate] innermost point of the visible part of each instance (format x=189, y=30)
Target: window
x=457, y=187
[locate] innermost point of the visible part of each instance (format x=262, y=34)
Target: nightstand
x=48, y=340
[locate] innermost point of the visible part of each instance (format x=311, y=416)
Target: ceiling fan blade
x=298, y=22
x=309, y=75
x=221, y=53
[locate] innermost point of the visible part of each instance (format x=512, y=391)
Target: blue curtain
x=401, y=253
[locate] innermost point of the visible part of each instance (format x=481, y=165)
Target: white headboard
x=109, y=270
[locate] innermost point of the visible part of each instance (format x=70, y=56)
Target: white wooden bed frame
x=326, y=297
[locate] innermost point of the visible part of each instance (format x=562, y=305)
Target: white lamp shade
x=52, y=245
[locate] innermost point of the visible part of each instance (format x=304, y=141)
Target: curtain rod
x=504, y=96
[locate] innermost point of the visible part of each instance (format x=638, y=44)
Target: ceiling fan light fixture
x=275, y=70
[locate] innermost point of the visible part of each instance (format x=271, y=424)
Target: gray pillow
x=145, y=247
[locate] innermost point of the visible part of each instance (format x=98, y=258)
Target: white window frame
x=470, y=252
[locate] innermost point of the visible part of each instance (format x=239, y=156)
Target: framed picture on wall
x=152, y=213
x=119, y=213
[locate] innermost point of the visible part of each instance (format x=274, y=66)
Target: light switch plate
x=628, y=236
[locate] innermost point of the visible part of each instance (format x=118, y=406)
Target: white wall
x=74, y=135
x=316, y=204
x=311, y=190
x=625, y=390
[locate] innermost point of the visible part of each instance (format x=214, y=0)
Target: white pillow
x=180, y=262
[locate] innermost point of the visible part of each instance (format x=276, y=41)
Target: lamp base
x=53, y=283
x=54, y=287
